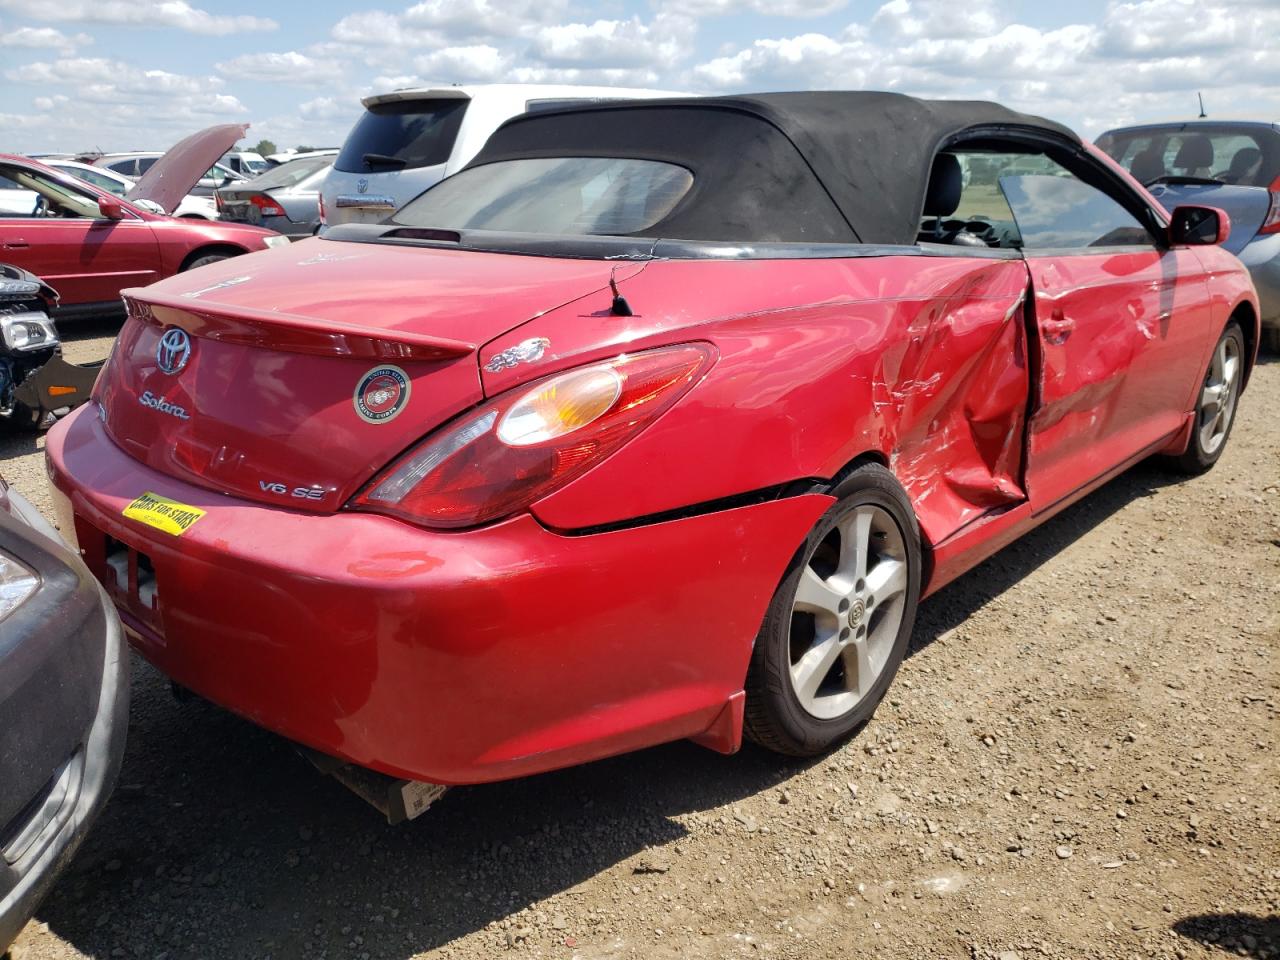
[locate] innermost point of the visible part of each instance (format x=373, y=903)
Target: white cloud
x=811, y=59
x=99, y=78
x=1130, y=60
x=938, y=19
x=476, y=63
x=290, y=67
x=381, y=30
x=329, y=108
x=774, y=8
x=35, y=38
x=474, y=18
x=143, y=13
x=614, y=44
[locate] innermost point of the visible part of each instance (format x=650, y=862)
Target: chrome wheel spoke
x=815, y=595
x=859, y=672
x=812, y=668
x=855, y=545
x=886, y=580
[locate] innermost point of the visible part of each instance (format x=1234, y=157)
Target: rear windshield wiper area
x=1179, y=178
x=382, y=160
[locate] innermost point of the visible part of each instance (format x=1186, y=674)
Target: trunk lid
x=176, y=174
x=1246, y=206
x=293, y=375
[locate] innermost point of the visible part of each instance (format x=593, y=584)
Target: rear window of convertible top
x=582, y=196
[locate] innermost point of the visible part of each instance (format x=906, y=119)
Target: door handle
x=1057, y=328
x=17, y=243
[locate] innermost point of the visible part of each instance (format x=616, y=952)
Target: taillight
x=217, y=200
x=1272, y=222
x=268, y=206
x=514, y=450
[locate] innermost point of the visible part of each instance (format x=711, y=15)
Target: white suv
x=408, y=140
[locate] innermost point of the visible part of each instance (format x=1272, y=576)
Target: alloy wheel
x=847, y=612
x=1218, y=396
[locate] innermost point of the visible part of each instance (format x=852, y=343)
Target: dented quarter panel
x=920, y=361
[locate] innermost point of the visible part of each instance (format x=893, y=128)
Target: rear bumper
x=62, y=751
x=448, y=657
x=1262, y=257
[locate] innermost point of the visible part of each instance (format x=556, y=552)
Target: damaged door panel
x=960, y=396
x=1118, y=335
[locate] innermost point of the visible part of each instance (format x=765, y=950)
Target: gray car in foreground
x=1233, y=165
x=64, y=691
x=285, y=199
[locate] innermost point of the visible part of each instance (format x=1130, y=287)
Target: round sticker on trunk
x=381, y=394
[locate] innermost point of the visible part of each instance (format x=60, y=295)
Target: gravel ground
x=1078, y=760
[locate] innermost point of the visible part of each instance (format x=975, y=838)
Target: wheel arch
x=208, y=249
x=1245, y=314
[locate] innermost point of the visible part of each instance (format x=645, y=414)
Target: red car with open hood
x=89, y=244
x=656, y=421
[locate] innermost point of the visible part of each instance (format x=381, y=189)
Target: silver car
x=286, y=199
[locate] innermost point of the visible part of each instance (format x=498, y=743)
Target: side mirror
x=110, y=208
x=1199, y=226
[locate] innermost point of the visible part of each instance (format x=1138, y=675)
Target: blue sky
x=140, y=74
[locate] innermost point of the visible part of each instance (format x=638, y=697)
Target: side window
x=145, y=164
x=1026, y=200
x=1057, y=212
x=127, y=167
x=53, y=198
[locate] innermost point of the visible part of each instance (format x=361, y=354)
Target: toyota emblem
x=173, y=351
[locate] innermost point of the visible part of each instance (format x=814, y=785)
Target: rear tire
x=837, y=628
x=1215, y=411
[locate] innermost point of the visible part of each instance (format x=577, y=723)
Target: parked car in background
x=284, y=157
x=655, y=421
x=15, y=198
x=1233, y=165
x=285, y=199
x=36, y=384
x=407, y=140
x=245, y=162
x=64, y=696
x=89, y=244
x=135, y=166
x=196, y=208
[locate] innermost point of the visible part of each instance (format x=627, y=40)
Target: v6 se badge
x=298, y=493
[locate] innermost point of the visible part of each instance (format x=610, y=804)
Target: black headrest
x=1195, y=152
x=945, y=183
x=1245, y=158
x=1148, y=165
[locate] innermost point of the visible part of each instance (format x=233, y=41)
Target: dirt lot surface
x=1079, y=759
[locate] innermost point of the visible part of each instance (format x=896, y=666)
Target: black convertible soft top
x=819, y=167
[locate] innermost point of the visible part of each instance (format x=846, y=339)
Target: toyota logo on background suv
x=173, y=351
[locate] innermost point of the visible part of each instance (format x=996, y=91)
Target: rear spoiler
x=287, y=332
x=445, y=93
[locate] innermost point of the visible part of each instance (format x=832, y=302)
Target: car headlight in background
x=30, y=330
x=276, y=240
x=17, y=583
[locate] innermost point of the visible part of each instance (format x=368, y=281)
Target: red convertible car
x=656, y=421
x=89, y=244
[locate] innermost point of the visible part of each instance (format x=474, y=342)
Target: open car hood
x=174, y=175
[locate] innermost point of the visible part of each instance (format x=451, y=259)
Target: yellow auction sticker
x=172, y=517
